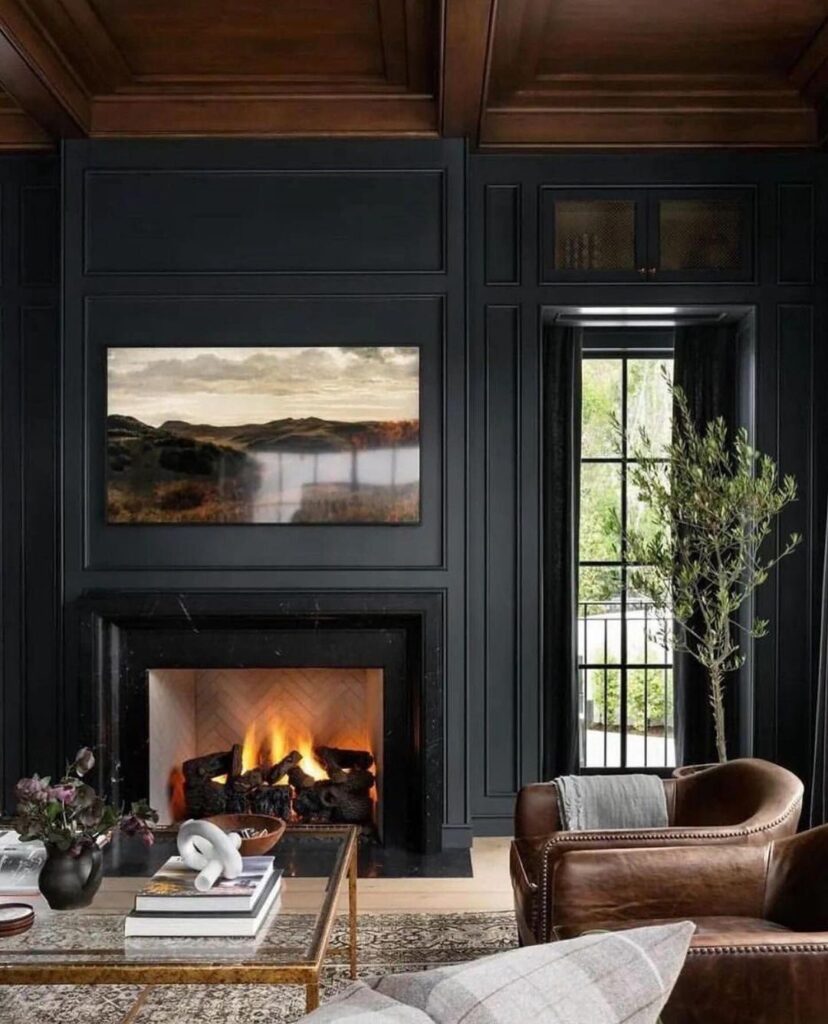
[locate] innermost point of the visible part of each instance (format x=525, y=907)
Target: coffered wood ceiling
x=507, y=73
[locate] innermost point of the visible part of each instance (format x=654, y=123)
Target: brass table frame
x=181, y=972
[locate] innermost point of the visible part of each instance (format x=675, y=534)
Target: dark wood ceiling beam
x=563, y=127
x=37, y=78
x=466, y=34
x=242, y=115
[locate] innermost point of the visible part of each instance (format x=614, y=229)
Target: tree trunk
x=717, y=704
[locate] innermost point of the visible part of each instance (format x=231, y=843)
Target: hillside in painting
x=310, y=434
x=288, y=470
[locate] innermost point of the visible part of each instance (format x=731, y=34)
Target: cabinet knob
x=642, y=271
x=652, y=271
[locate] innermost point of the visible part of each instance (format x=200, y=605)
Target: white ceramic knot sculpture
x=206, y=848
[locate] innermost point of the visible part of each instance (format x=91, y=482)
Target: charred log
x=346, y=806
x=215, y=783
x=337, y=759
x=274, y=800
x=204, y=795
x=299, y=778
x=281, y=768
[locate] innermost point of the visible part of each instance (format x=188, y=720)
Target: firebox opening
x=300, y=743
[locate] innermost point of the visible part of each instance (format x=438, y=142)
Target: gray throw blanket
x=611, y=801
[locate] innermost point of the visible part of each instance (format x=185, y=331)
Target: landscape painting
x=263, y=435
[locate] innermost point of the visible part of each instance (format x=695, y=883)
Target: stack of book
x=170, y=904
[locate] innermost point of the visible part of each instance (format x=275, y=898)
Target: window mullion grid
x=622, y=680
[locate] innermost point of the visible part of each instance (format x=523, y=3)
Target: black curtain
x=707, y=370
x=819, y=777
x=561, y=492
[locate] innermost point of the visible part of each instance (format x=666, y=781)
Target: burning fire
x=274, y=741
x=177, y=796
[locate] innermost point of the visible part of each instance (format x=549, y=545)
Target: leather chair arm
x=797, y=893
x=590, y=888
x=536, y=811
x=542, y=853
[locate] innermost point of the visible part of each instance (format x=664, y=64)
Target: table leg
x=311, y=995
x=352, y=911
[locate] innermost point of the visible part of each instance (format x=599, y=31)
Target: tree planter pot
x=68, y=880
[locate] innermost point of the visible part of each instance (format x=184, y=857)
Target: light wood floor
x=489, y=889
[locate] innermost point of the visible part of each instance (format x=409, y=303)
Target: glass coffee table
x=89, y=948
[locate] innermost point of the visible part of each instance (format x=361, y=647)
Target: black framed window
x=626, y=706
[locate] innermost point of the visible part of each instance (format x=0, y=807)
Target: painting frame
x=358, y=441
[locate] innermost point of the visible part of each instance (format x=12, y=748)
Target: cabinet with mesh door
x=701, y=234
x=673, y=234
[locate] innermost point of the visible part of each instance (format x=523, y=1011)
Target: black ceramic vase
x=69, y=880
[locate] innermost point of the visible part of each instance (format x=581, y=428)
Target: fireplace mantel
x=124, y=635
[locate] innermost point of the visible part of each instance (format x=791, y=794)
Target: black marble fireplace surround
x=124, y=635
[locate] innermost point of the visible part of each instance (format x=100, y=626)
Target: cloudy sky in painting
x=230, y=386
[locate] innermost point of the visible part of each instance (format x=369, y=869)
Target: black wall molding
x=160, y=247
x=788, y=292
x=478, y=545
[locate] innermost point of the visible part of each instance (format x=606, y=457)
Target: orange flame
x=177, y=798
x=267, y=743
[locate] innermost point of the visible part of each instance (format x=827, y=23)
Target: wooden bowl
x=252, y=847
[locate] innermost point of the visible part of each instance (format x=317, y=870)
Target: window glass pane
x=594, y=234
x=649, y=402
x=624, y=645
x=639, y=516
x=650, y=740
x=600, y=512
x=600, y=402
x=599, y=616
x=601, y=710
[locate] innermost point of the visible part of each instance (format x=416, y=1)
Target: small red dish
x=15, y=918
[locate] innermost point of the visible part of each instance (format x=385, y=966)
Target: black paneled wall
x=316, y=243
x=510, y=285
x=31, y=704
x=358, y=242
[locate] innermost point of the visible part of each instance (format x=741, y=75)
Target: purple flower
x=33, y=790
x=133, y=825
x=63, y=794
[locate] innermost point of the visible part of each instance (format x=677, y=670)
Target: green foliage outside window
x=645, y=704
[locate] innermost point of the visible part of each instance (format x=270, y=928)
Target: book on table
x=172, y=889
x=170, y=905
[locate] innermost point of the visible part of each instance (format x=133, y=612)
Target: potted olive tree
x=709, y=502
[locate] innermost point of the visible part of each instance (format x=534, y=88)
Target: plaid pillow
x=605, y=978
x=360, y=1003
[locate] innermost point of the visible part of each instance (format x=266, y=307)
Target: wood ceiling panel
x=197, y=39
x=551, y=73
x=656, y=73
x=676, y=37
x=211, y=67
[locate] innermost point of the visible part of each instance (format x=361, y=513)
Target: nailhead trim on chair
x=788, y=947
x=584, y=837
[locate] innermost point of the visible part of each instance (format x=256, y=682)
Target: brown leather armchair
x=760, y=952
x=747, y=801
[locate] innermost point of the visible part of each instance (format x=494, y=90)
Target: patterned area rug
x=387, y=943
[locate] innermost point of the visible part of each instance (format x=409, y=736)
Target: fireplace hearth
x=365, y=724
